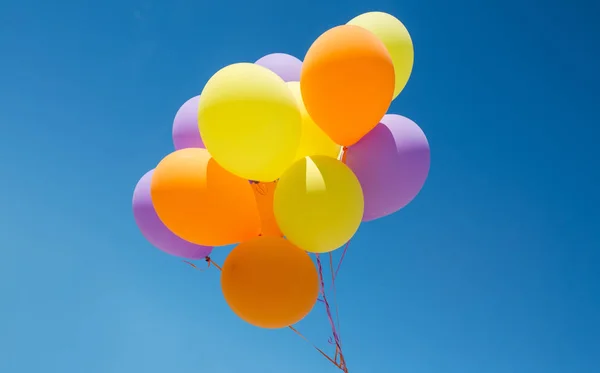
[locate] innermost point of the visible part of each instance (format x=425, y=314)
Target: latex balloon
x=347, y=82
x=318, y=204
x=397, y=40
x=391, y=163
x=286, y=66
x=313, y=141
x=155, y=231
x=264, y=192
x=201, y=202
x=249, y=121
x=270, y=283
x=185, y=126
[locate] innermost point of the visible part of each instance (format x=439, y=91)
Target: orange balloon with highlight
x=347, y=82
x=201, y=202
x=270, y=283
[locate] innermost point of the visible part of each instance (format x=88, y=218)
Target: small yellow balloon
x=396, y=39
x=318, y=204
x=313, y=141
x=249, y=121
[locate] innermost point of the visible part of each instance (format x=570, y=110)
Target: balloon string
x=343, y=155
x=333, y=361
x=341, y=259
x=210, y=261
x=196, y=267
x=334, y=274
x=335, y=302
x=334, y=331
x=340, y=365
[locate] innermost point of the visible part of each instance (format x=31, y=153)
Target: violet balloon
x=155, y=231
x=391, y=163
x=286, y=66
x=186, y=133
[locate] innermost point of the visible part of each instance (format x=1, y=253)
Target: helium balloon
x=249, y=121
x=264, y=192
x=318, y=204
x=391, y=163
x=270, y=283
x=347, y=82
x=397, y=40
x=185, y=126
x=286, y=66
x=201, y=202
x=155, y=231
x=313, y=141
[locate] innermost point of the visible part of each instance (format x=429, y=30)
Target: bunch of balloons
x=285, y=158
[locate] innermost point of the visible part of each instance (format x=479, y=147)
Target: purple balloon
x=155, y=231
x=186, y=133
x=286, y=66
x=391, y=163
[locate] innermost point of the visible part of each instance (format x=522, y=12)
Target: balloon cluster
x=286, y=158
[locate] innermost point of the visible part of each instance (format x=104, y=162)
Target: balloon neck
x=264, y=182
x=343, y=154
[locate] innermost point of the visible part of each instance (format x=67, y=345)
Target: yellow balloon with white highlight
x=318, y=204
x=249, y=121
x=396, y=39
x=313, y=141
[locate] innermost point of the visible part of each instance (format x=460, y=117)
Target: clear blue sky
x=494, y=268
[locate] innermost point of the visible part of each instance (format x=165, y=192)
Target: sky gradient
x=493, y=268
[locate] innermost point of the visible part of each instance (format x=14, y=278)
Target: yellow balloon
x=396, y=39
x=318, y=204
x=249, y=121
x=313, y=141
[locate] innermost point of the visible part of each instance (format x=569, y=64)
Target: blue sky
x=494, y=268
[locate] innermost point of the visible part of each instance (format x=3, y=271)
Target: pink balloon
x=391, y=163
x=186, y=133
x=286, y=66
x=155, y=231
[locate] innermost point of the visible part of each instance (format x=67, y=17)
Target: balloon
x=155, y=231
x=286, y=66
x=185, y=126
x=313, y=141
x=318, y=204
x=347, y=82
x=201, y=202
x=397, y=40
x=264, y=192
x=249, y=121
x=391, y=163
x=270, y=283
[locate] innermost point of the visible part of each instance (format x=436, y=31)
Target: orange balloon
x=270, y=283
x=347, y=82
x=264, y=193
x=201, y=202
